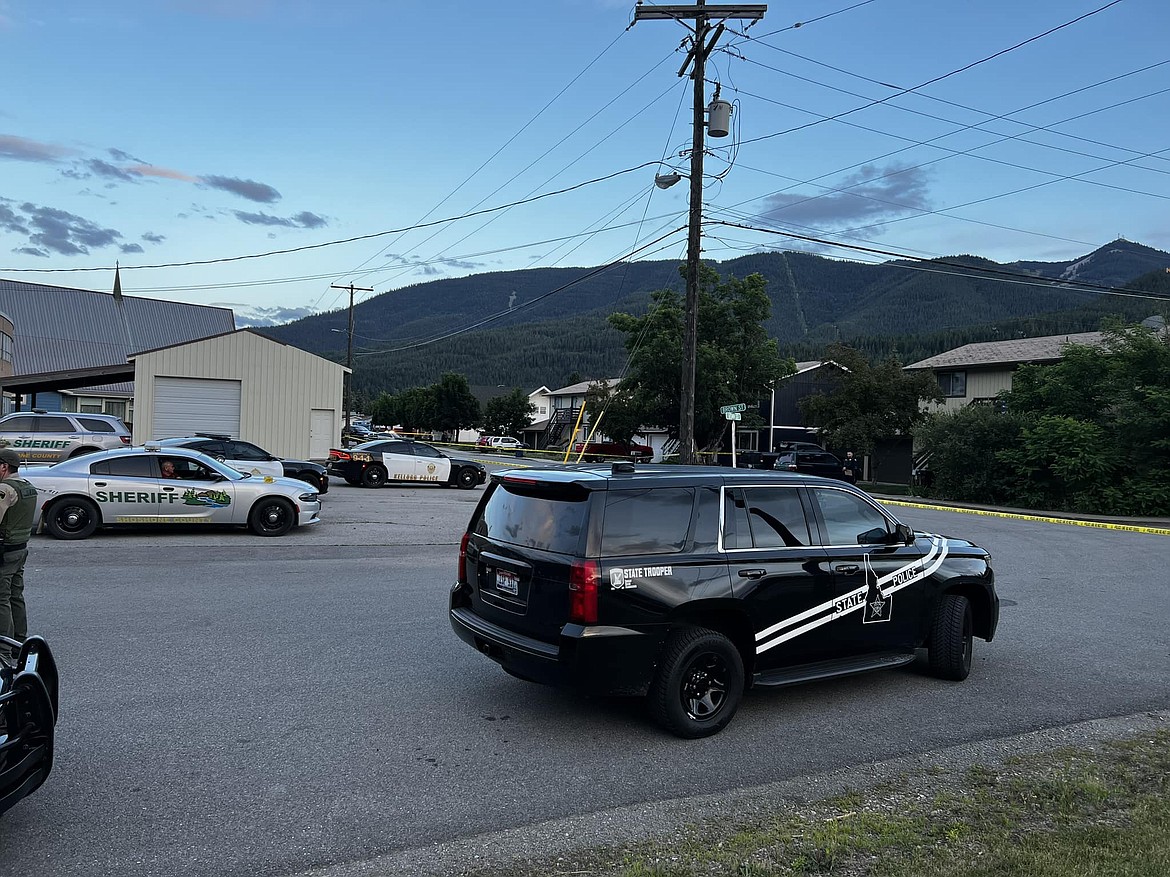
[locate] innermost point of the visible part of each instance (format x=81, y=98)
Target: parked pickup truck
x=593, y=451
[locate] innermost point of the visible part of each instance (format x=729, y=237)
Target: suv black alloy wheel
x=699, y=683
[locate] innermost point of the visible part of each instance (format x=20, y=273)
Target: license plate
x=508, y=582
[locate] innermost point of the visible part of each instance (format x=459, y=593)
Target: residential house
x=977, y=373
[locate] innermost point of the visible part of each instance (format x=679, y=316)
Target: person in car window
x=18, y=504
x=168, y=469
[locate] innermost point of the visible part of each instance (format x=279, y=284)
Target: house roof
x=1049, y=348
x=59, y=328
x=582, y=387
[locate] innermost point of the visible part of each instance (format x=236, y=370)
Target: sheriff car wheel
x=273, y=516
x=699, y=683
x=72, y=517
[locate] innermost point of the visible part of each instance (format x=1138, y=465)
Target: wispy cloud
x=152, y=238
x=68, y=234
x=113, y=172
x=23, y=149
x=872, y=194
x=262, y=193
x=150, y=170
x=301, y=220
x=251, y=315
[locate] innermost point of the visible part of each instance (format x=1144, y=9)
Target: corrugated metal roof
x=1049, y=348
x=59, y=327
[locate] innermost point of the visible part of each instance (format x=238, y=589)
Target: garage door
x=185, y=406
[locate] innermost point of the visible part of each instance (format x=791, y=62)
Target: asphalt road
x=233, y=705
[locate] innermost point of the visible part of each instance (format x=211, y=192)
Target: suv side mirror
x=905, y=534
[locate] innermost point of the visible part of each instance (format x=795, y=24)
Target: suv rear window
x=550, y=517
x=653, y=521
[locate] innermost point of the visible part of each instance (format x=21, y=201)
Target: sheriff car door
x=779, y=572
x=430, y=465
x=198, y=494
x=880, y=581
x=126, y=489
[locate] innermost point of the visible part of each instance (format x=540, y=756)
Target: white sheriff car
x=153, y=485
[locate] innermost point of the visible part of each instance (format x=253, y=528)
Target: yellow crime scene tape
x=1100, y=525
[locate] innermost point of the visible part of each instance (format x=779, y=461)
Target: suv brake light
x=583, y=579
x=125, y=439
x=462, y=577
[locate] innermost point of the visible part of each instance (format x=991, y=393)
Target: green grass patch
x=1102, y=812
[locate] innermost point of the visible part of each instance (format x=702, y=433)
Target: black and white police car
x=690, y=584
x=402, y=461
x=156, y=485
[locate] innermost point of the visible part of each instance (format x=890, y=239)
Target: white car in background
x=128, y=487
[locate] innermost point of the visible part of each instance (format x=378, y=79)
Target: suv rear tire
x=950, y=643
x=698, y=684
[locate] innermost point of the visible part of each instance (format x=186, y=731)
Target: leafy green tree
x=455, y=406
x=966, y=447
x=617, y=406
x=509, y=414
x=415, y=409
x=1090, y=433
x=1099, y=432
x=735, y=358
x=869, y=402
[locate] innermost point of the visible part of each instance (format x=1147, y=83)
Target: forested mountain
x=541, y=325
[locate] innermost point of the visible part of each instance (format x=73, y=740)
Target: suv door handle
x=752, y=573
x=847, y=569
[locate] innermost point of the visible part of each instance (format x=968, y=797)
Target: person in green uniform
x=18, y=503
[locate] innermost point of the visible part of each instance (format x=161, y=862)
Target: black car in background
x=809, y=462
x=248, y=457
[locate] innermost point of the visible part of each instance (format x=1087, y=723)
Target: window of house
x=953, y=384
x=6, y=347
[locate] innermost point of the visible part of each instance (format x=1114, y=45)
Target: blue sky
x=172, y=131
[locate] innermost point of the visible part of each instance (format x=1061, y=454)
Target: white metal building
x=242, y=384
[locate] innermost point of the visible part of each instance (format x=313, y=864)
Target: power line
x=977, y=126
x=492, y=317
x=943, y=76
x=364, y=237
x=993, y=273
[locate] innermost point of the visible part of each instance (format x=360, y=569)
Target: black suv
x=690, y=584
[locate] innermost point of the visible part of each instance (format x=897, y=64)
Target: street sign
x=731, y=409
x=733, y=415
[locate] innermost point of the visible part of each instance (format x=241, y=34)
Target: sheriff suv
x=50, y=437
x=691, y=584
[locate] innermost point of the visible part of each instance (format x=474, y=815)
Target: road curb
x=664, y=820
x=1021, y=516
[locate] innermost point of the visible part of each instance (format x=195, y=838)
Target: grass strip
x=1099, y=812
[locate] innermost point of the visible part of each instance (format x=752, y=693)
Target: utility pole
x=349, y=346
x=701, y=48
